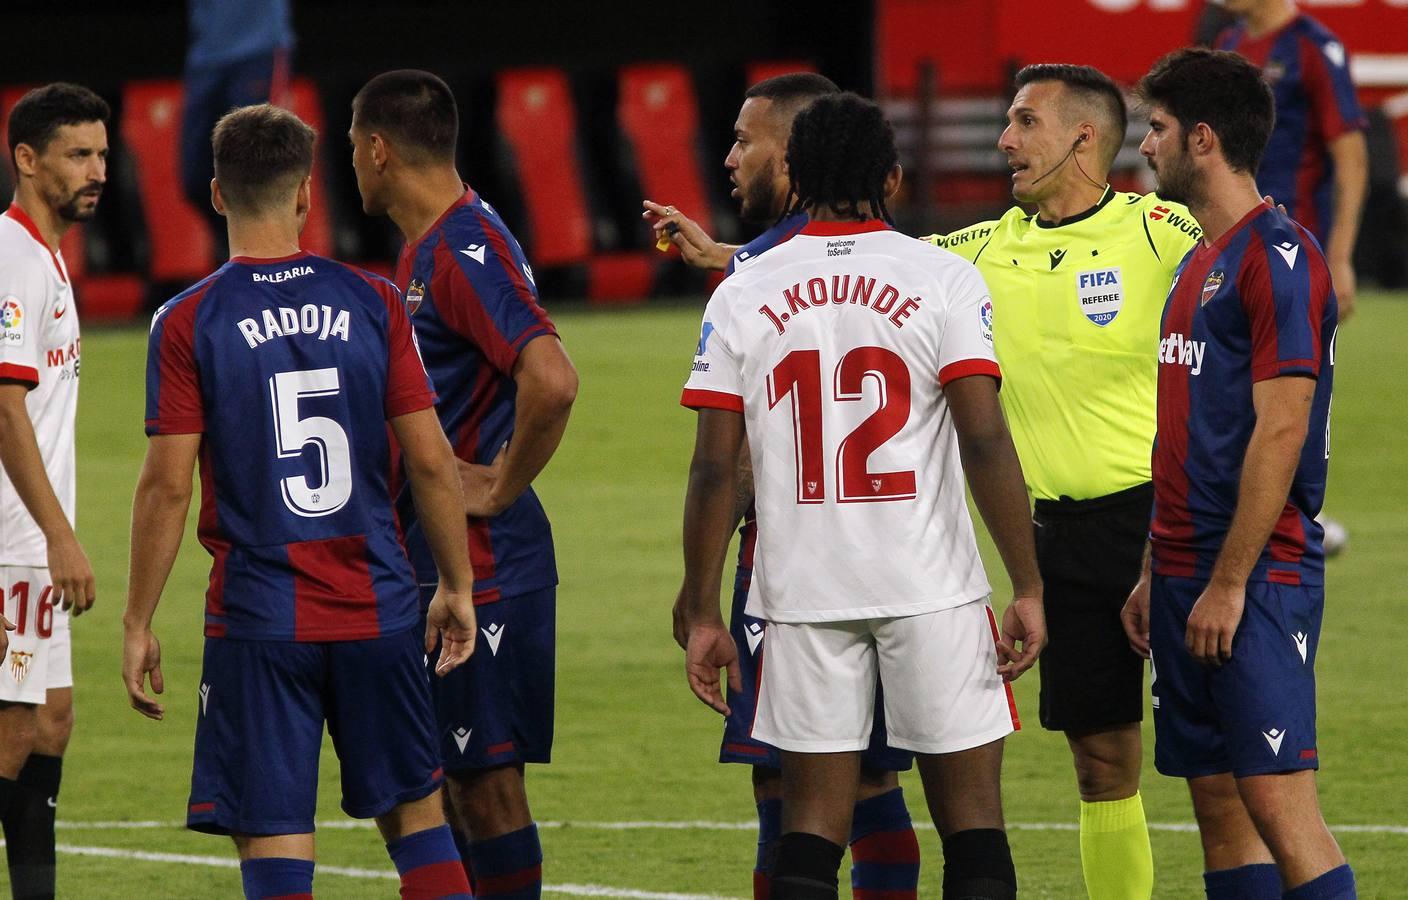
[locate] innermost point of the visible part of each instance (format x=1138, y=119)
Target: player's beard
x=757, y=202
x=1177, y=179
x=72, y=209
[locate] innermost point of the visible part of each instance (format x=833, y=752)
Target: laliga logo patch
x=415, y=293
x=19, y=664
x=11, y=321
x=985, y=313
x=1100, y=294
x=1211, y=286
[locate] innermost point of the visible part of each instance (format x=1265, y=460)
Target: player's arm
x=435, y=485
x=697, y=248
x=710, y=512
x=1134, y=616
x=995, y=479
x=547, y=387
x=1350, y=153
x=743, y=499
x=159, y=509
x=19, y=454
x=1282, y=417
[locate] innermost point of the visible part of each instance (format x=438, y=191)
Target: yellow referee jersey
x=1076, y=310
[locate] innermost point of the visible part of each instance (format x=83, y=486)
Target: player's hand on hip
x=72, y=576
x=1024, y=621
x=450, y=621
x=696, y=247
x=1135, y=618
x=710, y=647
x=478, y=484
x=1213, y=624
x=141, y=657
x=1345, y=283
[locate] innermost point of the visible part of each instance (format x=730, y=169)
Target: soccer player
x=1317, y=161
x=884, y=850
x=1232, y=595
x=280, y=373
x=59, y=147
x=1078, y=288
x=506, y=387
x=861, y=361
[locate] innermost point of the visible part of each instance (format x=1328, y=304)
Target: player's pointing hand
x=450, y=622
x=711, y=648
x=697, y=248
x=141, y=656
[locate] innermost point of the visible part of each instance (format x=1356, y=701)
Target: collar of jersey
x=1105, y=198
x=17, y=213
x=465, y=199
x=261, y=261
x=837, y=229
x=1222, y=242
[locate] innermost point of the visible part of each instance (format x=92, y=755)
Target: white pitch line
x=224, y=862
x=703, y=825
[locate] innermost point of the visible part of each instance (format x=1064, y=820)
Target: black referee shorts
x=1090, y=553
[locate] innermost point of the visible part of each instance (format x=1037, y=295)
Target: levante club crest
x=1211, y=286
x=415, y=293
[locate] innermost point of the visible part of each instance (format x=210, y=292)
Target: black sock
x=805, y=867
x=29, y=828
x=978, y=866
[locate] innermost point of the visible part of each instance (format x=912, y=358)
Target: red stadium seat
x=317, y=231
x=761, y=71
x=180, y=240
x=536, y=118
x=110, y=297
x=659, y=117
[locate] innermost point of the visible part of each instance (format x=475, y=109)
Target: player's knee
x=978, y=864
x=767, y=784
x=1106, y=768
x=490, y=801
x=52, y=731
x=874, y=782
x=17, y=724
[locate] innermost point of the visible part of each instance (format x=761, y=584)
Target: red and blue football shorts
x=1254, y=714
x=259, y=731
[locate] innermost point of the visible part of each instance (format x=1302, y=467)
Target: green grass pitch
x=633, y=746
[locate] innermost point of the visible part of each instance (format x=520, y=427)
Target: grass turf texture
x=632, y=743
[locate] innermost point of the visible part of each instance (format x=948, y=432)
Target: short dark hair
x=416, y=109
x=839, y=154
x=792, y=91
x=44, y=110
x=1222, y=90
x=261, y=154
x=1090, y=86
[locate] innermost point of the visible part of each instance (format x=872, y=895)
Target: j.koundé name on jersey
x=285, y=321
x=840, y=290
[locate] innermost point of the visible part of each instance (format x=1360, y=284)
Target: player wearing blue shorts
x=505, y=389
x=884, y=850
x=1230, y=603
x=280, y=373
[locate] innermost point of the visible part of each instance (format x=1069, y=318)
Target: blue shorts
x=738, y=745
x=497, y=708
x=259, y=730
x=1254, y=715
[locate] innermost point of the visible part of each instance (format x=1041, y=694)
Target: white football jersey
x=835, y=346
x=39, y=345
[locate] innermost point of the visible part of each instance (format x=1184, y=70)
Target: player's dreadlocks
x=839, y=153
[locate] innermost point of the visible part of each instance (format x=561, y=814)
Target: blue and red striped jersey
x=289, y=369
x=474, y=306
x=1256, y=305
x=1308, y=68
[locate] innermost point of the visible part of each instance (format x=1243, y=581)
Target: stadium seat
x=110, y=297
x=536, y=118
x=182, y=249
x=659, y=117
x=306, y=103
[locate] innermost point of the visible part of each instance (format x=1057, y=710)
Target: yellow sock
x=1114, y=850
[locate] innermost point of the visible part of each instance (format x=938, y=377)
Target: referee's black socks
x=805, y=867
x=29, y=827
x=978, y=866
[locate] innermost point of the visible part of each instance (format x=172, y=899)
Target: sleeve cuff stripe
x=19, y=373
x=965, y=367
x=697, y=399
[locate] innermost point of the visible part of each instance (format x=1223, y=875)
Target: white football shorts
x=40, y=653
x=942, y=693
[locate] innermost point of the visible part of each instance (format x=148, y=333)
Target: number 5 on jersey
x=292, y=434
x=799, y=375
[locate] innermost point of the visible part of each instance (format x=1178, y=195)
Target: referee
x=1078, y=290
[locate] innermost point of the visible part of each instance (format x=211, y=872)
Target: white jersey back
x=835, y=346
x=39, y=346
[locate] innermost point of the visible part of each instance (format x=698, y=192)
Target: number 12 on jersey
x=799, y=375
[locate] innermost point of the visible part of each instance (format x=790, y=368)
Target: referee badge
x=1100, y=293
